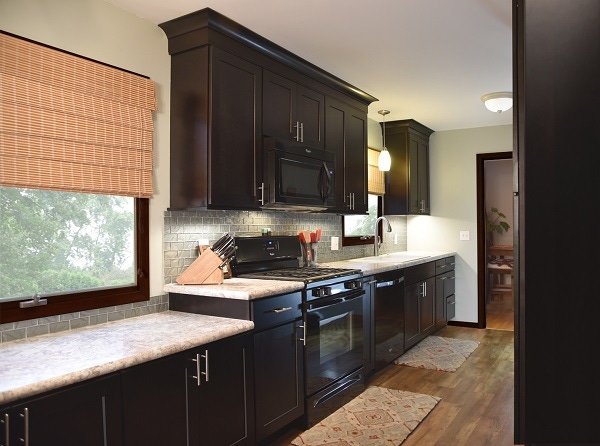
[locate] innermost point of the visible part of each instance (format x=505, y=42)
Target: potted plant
x=496, y=224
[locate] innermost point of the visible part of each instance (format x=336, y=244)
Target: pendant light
x=385, y=161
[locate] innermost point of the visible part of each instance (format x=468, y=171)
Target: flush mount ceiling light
x=385, y=161
x=498, y=102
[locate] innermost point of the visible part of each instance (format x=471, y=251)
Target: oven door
x=334, y=339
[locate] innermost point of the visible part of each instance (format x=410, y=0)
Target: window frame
x=363, y=240
x=106, y=297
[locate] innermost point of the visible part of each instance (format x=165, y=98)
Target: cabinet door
x=427, y=308
x=236, y=146
x=412, y=297
x=279, y=377
x=292, y=111
x=310, y=112
x=279, y=105
x=418, y=187
x=150, y=389
x=87, y=414
x=345, y=136
x=221, y=397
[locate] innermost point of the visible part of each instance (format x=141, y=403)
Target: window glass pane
x=362, y=225
x=61, y=242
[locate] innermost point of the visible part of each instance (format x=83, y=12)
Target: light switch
x=335, y=243
x=465, y=235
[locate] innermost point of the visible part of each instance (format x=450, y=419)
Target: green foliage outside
x=362, y=225
x=55, y=242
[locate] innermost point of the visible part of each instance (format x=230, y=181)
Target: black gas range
x=278, y=258
x=334, y=319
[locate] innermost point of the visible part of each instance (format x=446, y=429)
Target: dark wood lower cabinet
x=86, y=414
x=156, y=391
x=204, y=395
x=221, y=392
x=279, y=377
x=419, y=303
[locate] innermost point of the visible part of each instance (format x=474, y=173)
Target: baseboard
x=464, y=324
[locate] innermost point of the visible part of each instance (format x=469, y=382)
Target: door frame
x=481, y=239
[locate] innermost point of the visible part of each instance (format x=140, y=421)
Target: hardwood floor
x=499, y=312
x=477, y=406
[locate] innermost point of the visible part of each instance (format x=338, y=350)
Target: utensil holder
x=309, y=254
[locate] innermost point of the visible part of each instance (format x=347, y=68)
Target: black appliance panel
x=298, y=176
x=389, y=317
x=334, y=339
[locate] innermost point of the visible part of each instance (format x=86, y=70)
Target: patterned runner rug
x=438, y=353
x=375, y=417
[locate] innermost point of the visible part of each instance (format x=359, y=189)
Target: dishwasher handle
x=390, y=282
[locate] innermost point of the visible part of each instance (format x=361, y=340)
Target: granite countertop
x=248, y=289
x=238, y=288
x=389, y=262
x=47, y=362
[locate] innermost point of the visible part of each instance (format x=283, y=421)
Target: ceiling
x=429, y=60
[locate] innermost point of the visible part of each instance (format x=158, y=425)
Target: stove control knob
x=350, y=285
x=319, y=292
x=327, y=291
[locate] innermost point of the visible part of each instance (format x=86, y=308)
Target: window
x=75, y=178
x=360, y=229
x=77, y=251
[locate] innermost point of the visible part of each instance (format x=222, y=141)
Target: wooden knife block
x=204, y=270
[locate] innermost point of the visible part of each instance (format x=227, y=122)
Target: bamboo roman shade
x=376, y=182
x=69, y=123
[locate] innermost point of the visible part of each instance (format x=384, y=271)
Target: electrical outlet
x=395, y=239
x=335, y=243
x=203, y=242
x=465, y=235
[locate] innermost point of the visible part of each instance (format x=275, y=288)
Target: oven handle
x=333, y=300
x=339, y=389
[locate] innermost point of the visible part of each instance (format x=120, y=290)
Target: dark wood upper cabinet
x=346, y=137
x=230, y=88
x=292, y=111
x=407, y=182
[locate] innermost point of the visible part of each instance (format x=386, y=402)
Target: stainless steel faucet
x=388, y=229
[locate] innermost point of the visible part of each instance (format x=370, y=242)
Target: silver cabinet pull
x=197, y=376
x=301, y=132
x=205, y=356
x=280, y=310
x=262, y=193
x=303, y=338
x=4, y=421
x=297, y=127
x=25, y=416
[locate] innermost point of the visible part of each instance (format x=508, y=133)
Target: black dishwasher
x=389, y=317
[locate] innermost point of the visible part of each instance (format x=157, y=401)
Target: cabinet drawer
x=445, y=264
x=450, y=307
x=417, y=273
x=276, y=310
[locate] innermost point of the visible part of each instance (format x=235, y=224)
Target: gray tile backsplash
x=183, y=230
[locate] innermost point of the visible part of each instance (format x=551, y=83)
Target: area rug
x=438, y=353
x=377, y=416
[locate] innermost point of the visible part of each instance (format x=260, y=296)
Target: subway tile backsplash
x=182, y=230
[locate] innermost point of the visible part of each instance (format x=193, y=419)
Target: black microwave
x=297, y=177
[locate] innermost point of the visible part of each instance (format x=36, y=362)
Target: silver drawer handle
x=280, y=310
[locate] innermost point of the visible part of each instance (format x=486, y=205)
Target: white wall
x=454, y=204
x=98, y=30
x=499, y=194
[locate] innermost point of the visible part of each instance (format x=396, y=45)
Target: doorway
x=494, y=190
